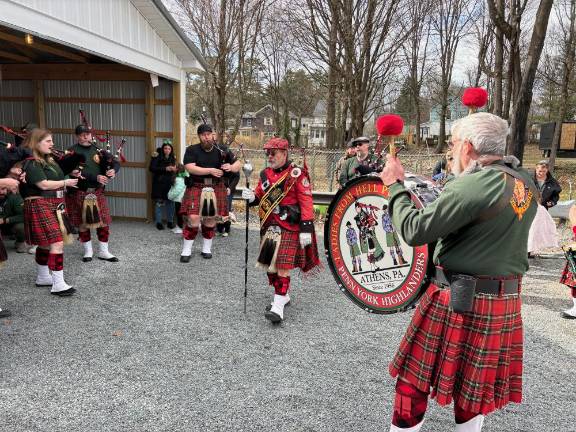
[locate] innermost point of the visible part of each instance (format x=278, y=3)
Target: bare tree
x=416, y=50
x=451, y=22
x=566, y=17
x=226, y=33
x=521, y=82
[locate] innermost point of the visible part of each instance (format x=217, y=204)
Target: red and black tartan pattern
x=42, y=256
x=56, y=262
x=189, y=233
x=40, y=222
x=103, y=234
x=75, y=201
x=474, y=359
x=291, y=255
x=567, y=277
x=282, y=285
x=208, y=232
x=191, y=201
x=409, y=405
x=84, y=236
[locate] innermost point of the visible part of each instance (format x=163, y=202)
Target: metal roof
x=168, y=29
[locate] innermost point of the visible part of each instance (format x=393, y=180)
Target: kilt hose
x=567, y=278
x=291, y=255
x=75, y=200
x=191, y=201
x=474, y=358
x=41, y=226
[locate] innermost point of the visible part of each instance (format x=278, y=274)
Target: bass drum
x=370, y=261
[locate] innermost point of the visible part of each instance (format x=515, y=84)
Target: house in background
x=261, y=125
x=431, y=128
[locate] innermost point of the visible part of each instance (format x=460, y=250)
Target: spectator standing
x=547, y=185
x=163, y=167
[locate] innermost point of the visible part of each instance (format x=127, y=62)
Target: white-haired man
x=464, y=343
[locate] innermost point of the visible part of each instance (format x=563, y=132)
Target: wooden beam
x=162, y=101
x=87, y=72
x=128, y=164
x=176, y=126
x=150, y=139
x=140, y=195
x=16, y=99
x=39, y=103
x=39, y=46
x=139, y=101
x=15, y=57
x=163, y=134
x=116, y=133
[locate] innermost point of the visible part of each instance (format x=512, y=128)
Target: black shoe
x=170, y=225
x=86, y=259
x=64, y=293
x=269, y=307
x=206, y=255
x=185, y=258
x=5, y=313
x=113, y=259
x=159, y=226
x=273, y=317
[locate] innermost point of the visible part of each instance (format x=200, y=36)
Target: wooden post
x=150, y=142
x=176, y=121
x=39, y=103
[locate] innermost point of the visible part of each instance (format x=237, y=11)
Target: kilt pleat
x=473, y=359
x=191, y=201
x=40, y=222
x=567, y=277
x=291, y=255
x=75, y=201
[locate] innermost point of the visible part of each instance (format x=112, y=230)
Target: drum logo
x=371, y=262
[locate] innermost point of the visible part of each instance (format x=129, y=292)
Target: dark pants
x=179, y=217
x=16, y=229
x=225, y=227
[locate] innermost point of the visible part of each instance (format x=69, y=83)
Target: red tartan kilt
x=567, y=277
x=291, y=255
x=75, y=200
x=191, y=201
x=40, y=222
x=474, y=359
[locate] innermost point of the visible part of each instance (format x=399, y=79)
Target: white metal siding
x=116, y=20
x=105, y=116
x=16, y=113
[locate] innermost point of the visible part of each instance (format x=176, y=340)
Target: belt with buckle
x=48, y=194
x=494, y=285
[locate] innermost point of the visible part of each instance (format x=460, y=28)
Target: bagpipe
x=108, y=156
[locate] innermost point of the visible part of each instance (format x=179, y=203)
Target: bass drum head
x=370, y=261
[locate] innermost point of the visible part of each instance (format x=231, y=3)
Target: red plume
x=475, y=97
x=389, y=124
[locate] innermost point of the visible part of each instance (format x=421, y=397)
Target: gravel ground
x=150, y=344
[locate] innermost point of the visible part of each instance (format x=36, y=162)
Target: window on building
x=322, y=134
x=244, y=133
x=267, y=121
x=248, y=122
x=294, y=123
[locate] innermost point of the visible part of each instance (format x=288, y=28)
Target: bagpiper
x=285, y=208
x=205, y=199
x=87, y=205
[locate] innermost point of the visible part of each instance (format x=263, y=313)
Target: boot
x=59, y=286
x=104, y=254
x=473, y=425
x=269, y=307
x=88, y=252
x=186, y=251
x=354, y=267
x=276, y=312
x=43, y=277
x=570, y=313
x=206, y=248
x=21, y=247
x=415, y=428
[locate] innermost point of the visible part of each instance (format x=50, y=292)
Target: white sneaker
x=177, y=230
x=32, y=250
x=224, y=234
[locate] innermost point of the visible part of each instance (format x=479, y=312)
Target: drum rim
x=328, y=254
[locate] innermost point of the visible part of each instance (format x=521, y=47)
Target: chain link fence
x=322, y=165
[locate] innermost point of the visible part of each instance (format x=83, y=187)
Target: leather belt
x=493, y=286
x=48, y=194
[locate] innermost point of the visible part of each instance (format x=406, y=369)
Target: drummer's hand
x=248, y=195
x=392, y=172
x=102, y=179
x=111, y=173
